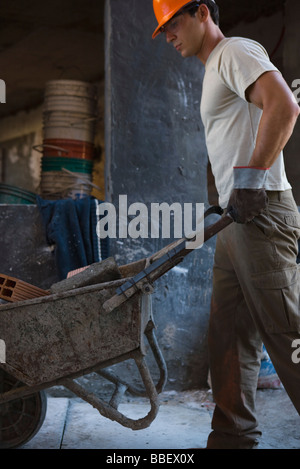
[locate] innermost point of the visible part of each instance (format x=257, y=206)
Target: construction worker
x=249, y=114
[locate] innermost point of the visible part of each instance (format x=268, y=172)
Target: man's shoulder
x=241, y=45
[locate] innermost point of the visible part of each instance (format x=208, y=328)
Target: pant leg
x=263, y=256
x=235, y=355
x=272, y=290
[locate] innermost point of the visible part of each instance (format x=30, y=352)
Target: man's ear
x=203, y=13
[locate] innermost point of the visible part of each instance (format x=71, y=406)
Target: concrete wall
x=155, y=152
x=20, y=164
x=24, y=252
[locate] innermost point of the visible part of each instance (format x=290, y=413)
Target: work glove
x=248, y=198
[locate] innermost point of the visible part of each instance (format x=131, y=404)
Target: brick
x=13, y=289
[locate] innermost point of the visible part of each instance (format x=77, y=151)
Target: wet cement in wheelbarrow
x=183, y=421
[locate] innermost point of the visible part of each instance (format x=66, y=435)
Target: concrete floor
x=183, y=422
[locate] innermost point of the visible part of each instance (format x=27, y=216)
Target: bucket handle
x=81, y=179
x=54, y=147
x=85, y=119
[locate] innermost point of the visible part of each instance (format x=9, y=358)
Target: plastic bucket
x=80, y=120
x=70, y=96
x=56, y=180
x=67, y=148
x=70, y=104
x=70, y=88
x=72, y=164
x=64, y=125
x=57, y=185
x=14, y=195
x=70, y=108
x=69, y=133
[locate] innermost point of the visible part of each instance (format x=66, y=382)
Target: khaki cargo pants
x=255, y=300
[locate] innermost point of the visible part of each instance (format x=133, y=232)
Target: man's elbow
x=295, y=114
x=297, y=111
x=291, y=112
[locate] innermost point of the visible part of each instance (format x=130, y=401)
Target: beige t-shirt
x=230, y=121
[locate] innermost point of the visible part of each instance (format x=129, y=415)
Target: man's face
x=185, y=33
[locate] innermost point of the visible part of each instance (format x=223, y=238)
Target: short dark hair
x=211, y=5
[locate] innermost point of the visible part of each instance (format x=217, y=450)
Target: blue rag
x=70, y=225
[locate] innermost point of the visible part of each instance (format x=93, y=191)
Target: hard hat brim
x=169, y=16
x=165, y=19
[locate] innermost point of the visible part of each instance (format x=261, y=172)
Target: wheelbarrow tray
x=62, y=334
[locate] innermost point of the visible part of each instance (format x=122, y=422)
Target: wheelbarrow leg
x=109, y=411
x=117, y=395
x=158, y=356
x=159, y=359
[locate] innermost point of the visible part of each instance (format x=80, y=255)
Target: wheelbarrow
x=57, y=338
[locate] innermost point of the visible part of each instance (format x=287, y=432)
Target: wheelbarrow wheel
x=21, y=418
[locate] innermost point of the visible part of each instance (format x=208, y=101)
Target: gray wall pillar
x=155, y=152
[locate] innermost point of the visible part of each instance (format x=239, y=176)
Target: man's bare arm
x=280, y=111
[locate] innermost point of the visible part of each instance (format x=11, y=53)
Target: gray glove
x=248, y=198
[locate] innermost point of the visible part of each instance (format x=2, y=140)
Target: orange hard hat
x=164, y=10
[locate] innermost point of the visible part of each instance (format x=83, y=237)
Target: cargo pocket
x=278, y=299
x=292, y=220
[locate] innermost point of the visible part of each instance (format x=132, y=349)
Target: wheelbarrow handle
x=170, y=256
x=213, y=229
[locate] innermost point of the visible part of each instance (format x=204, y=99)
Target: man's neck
x=211, y=40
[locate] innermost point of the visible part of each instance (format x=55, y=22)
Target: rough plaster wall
x=155, y=152
x=20, y=163
x=24, y=252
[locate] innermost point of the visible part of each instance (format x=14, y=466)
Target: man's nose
x=169, y=36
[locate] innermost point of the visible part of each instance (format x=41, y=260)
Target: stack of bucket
x=69, y=115
x=15, y=195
